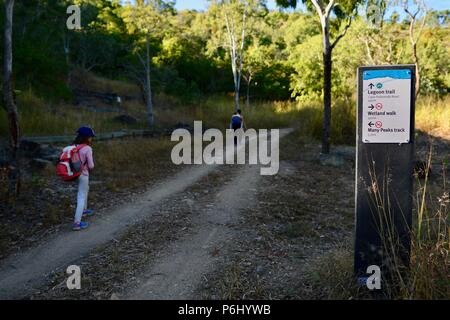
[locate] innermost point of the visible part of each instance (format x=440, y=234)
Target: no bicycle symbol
x=377, y=124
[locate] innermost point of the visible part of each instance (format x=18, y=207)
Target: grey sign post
x=384, y=168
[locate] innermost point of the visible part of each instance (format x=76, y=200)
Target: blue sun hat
x=86, y=131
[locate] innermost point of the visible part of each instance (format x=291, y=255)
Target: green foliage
x=282, y=58
x=435, y=61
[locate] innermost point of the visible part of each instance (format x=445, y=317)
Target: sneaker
x=79, y=226
x=88, y=212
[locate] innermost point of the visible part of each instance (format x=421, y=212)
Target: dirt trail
x=177, y=274
x=20, y=274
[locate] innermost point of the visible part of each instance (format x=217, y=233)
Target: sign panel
x=384, y=169
x=386, y=106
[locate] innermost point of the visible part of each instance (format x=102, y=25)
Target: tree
x=253, y=65
x=384, y=42
x=146, y=20
x=345, y=10
x=260, y=54
x=233, y=16
x=8, y=99
x=414, y=12
x=236, y=46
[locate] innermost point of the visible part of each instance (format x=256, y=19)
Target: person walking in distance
x=237, y=122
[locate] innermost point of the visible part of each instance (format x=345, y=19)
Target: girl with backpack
x=83, y=143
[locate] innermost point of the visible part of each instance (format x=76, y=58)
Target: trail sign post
x=384, y=168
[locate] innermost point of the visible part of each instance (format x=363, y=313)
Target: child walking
x=84, y=137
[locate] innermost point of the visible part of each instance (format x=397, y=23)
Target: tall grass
x=433, y=115
x=430, y=259
x=308, y=118
x=132, y=162
x=428, y=273
x=38, y=117
x=88, y=81
x=217, y=111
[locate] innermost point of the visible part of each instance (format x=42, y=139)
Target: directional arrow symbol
x=371, y=107
x=371, y=86
x=371, y=124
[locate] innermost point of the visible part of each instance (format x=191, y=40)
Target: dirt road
x=176, y=273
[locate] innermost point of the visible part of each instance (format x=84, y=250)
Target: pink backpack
x=69, y=165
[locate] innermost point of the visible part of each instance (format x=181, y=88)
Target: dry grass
x=37, y=117
x=433, y=115
x=236, y=284
x=331, y=276
x=428, y=277
x=308, y=117
x=217, y=112
x=131, y=162
x=90, y=82
x=430, y=255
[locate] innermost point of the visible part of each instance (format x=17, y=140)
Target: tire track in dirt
x=177, y=274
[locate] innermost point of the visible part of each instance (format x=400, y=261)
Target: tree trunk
x=236, y=81
x=414, y=40
x=236, y=98
x=416, y=62
x=249, y=80
x=327, y=68
x=8, y=99
x=148, y=87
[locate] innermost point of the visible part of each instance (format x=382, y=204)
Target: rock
x=259, y=269
x=114, y=297
x=29, y=148
x=189, y=202
x=126, y=119
x=40, y=164
x=347, y=152
x=3, y=160
x=49, y=153
x=334, y=160
x=49, y=192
